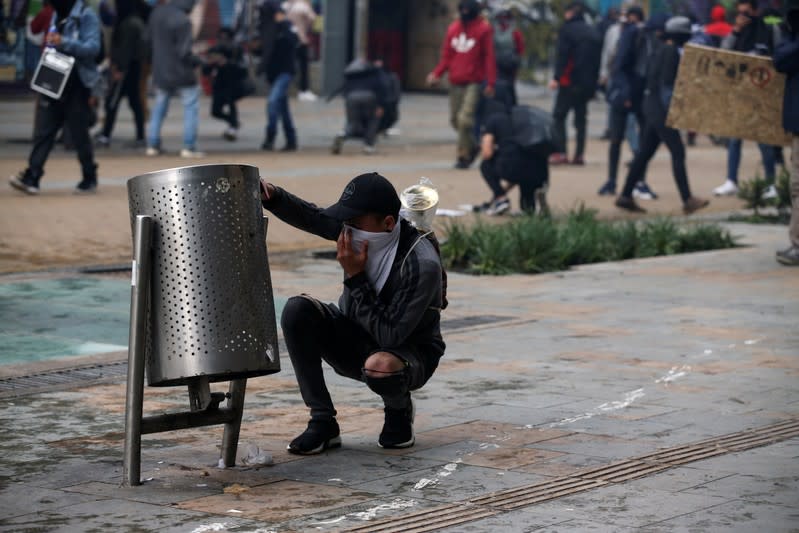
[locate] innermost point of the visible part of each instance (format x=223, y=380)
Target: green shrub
x=751, y=192
x=531, y=244
x=783, y=184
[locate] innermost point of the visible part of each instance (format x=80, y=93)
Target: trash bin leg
x=139, y=295
x=230, y=439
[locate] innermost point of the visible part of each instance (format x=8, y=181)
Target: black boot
x=88, y=185
x=291, y=141
x=269, y=142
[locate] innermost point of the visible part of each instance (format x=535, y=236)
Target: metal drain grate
x=62, y=379
x=498, y=502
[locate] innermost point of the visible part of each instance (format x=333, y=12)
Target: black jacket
x=786, y=60
x=660, y=83
x=407, y=310
x=283, y=57
x=626, y=77
x=580, y=47
x=758, y=37
x=128, y=42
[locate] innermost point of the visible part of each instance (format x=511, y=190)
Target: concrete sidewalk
x=547, y=380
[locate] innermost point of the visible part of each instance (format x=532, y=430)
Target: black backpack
x=533, y=130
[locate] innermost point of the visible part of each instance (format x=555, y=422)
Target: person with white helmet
x=657, y=96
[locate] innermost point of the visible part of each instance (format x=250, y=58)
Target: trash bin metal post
x=139, y=295
x=230, y=438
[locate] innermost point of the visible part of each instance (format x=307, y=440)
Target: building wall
x=427, y=24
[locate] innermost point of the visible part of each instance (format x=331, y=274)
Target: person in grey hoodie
x=173, y=65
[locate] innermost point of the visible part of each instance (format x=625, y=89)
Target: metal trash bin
x=211, y=310
x=202, y=309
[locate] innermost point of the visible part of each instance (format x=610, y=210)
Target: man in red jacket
x=468, y=54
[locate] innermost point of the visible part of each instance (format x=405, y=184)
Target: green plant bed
x=531, y=244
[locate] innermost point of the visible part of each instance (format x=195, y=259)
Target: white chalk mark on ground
x=750, y=342
x=216, y=526
x=606, y=407
x=335, y=479
x=396, y=504
x=673, y=374
x=424, y=482
x=234, y=511
x=447, y=470
x=629, y=398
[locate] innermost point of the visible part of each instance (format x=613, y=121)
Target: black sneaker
x=608, y=189
x=482, y=208
x=317, y=437
x=628, y=204
x=86, y=187
x=499, y=207
x=398, y=427
x=24, y=183
x=473, y=153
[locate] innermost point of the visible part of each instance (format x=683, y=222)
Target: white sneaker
x=393, y=132
x=190, y=153
x=369, y=150
x=770, y=193
x=230, y=134
x=499, y=207
x=307, y=96
x=152, y=151
x=728, y=188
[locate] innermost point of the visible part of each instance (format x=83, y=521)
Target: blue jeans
x=190, y=98
x=734, y=160
x=277, y=108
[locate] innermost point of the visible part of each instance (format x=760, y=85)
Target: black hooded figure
x=660, y=81
x=127, y=55
x=468, y=10
x=365, y=94
x=504, y=159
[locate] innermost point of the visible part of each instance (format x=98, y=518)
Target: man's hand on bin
x=267, y=191
x=351, y=262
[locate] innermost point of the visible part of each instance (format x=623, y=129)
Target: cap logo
x=349, y=190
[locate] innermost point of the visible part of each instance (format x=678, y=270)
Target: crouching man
x=385, y=330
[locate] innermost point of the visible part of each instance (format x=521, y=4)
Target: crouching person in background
x=504, y=159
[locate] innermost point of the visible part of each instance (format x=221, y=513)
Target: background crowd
x=628, y=58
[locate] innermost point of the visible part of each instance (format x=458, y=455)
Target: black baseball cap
x=365, y=194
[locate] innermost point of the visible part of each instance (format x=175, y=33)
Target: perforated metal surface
x=211, y=308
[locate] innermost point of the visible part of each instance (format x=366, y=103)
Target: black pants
x=73, y=114
x=317, y=332
x=618, y=127
x=221, y=99
x=530, y=173
x=362, y=119
x=302, y=67
x=128, y=87
x=650, y=140
x=574, y=99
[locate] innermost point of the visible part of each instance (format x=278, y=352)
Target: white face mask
x=380, y=254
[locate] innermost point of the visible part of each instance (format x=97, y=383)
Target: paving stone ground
x=574, y=371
